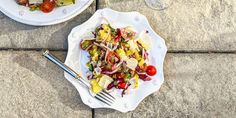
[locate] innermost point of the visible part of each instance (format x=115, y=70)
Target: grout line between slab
x=97, y=5
x=93, y=113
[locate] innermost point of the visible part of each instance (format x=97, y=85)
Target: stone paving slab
x=32, y=87
x=17, y=35
x=196, y=86
x=188, y=25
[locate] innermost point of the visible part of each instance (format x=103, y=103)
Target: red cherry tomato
x=121, y=85
x=151, y=70
x=47, y=6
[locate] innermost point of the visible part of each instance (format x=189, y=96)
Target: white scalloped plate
x=38, y=18
x=76, y=58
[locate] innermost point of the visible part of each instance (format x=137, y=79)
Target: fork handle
x=67, y=69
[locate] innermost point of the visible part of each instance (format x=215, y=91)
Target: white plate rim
x=53, y=22
x=163, y=57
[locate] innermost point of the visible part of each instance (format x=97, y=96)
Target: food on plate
x=118, y=57
x=22, y=2
x=45, y=6
x=151, y=70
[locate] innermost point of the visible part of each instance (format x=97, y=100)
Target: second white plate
x=37, y=18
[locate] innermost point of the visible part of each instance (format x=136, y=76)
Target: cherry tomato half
x=121, y=85
x=151, y=70
x=47, y=6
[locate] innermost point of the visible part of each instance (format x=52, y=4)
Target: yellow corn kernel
x=95, y=86
x=108, y=38
x=136, y=81
x=136, y=55
x=95, y=56
x=141, y=62
x=128, y=53
x=102, y=34
x=105, y=27
x=121, y=53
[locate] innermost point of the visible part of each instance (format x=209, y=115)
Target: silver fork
x=103, y=95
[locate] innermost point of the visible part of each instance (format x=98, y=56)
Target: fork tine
x=103, y=97
x=111, y=99
x=107, y=95
x=102, y=100
x=104, y=91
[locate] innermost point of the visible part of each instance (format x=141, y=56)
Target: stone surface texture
x=32, y=87
x=196, y=86
x=16, y=35
x=187, y=25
